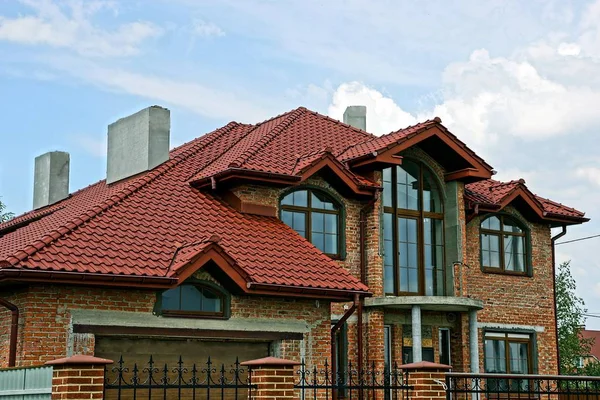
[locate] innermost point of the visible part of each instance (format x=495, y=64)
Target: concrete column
x=417, y=347
x=473, y=341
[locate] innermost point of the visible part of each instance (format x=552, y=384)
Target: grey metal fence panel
x=33, y=383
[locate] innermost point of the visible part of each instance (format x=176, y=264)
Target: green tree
x=570, y=311
x=4, y=215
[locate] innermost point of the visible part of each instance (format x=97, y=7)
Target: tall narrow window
x=316, y=217
x=412, y=231
x=503, y=245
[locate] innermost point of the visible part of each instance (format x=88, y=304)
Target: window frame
x=528, y=270
x=308, y=210
x=219, y=291
x=532, y=348
x=419, y=216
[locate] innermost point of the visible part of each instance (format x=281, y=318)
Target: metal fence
x=32, y=383
x=351, y=383
x=182, y=381
x=464, y=386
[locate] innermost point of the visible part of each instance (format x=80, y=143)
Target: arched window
x=316, y=217
x=503, y=245
x=413, y=227
x=194, y=300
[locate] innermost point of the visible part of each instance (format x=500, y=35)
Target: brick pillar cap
x=424, y=365
x=79, y=359
x=269, y=361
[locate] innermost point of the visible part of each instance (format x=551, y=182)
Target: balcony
x=427, y=303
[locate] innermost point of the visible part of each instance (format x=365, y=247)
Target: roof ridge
x=55, y=234
x=277, y=116
x=374, y=137
x=197, y=171
x=337, y=121
x=263, y=141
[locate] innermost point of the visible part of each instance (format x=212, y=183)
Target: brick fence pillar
x=425, y=377
x=78, y=377
x=273, y=377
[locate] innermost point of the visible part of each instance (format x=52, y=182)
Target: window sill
x=191, y=314
x=491, y=270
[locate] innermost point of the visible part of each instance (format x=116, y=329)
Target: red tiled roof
x=156, y=223
x=490, y=192
x=381, y=143
x=136, y=226
x=378, y=143
x=277, y=145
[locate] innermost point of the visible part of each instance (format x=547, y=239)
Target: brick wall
x=517, y=300
x=45, y=319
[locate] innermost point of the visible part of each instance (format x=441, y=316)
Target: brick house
x=298, y=237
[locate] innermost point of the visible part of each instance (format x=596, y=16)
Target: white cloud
x=592, y=174
x=196, y=97
x=383, y=114
x=206, y=29
x=71, y=27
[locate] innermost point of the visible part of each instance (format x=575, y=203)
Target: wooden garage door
x=167, y=351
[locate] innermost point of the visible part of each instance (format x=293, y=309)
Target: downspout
x=334, y=330
x=554, y=239
x=14, y=330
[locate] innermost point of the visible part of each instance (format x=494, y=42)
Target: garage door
x=139, y=350
x=167, y=351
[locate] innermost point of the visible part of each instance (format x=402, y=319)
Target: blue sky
x=518, y=81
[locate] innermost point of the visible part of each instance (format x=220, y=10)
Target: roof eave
x=84, y=278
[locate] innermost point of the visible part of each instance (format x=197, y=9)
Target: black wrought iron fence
x=184, y=381
x=350, y=383
x=465, y=386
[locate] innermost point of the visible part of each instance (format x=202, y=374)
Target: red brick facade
x=45, y=327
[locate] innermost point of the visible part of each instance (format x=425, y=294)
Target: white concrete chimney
x=138, y=143
x=356, y=116
x=51, y=178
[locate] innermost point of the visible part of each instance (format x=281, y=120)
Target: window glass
x=407, y=185
x=492, y=223
x=387, y=187
x=171, y=299
x=413, y=231
x=321, y=202
x=510, y=225
x=503, y=244
x=495, y=357
x=210, y=301
x=505, y=353
x=434, y=250
x=295, y=220
x=432, y=200
x=408, y=254
x=192, y=298
x=490, y=250
x=315, y=217
x=388, y=250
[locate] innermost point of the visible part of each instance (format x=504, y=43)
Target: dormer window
x=503, y=245
x=196, y=299
x=316, y=217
